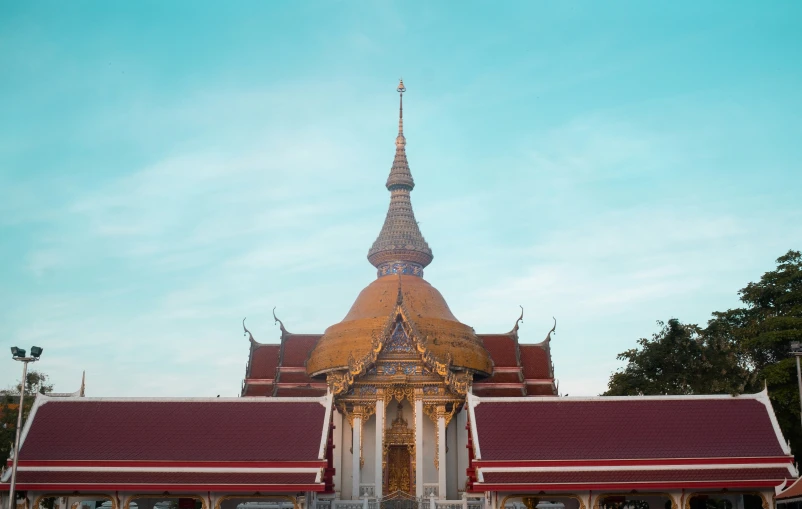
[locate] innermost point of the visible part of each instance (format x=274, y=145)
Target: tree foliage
x=36, y=382
x=681, y=359
x=738, y=351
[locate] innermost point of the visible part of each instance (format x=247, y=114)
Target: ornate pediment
x=399, y=357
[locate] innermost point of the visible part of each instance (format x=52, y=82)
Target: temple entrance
x=399, y=459
x=399, y=500
x=399, y=469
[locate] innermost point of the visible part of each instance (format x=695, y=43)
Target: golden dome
x=442, y=332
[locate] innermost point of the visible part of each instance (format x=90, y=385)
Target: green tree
x=36, y=382
x=681, y=359
x=766, y=327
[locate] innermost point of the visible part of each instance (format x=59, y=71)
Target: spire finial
x=400, y=247
x=400, y=141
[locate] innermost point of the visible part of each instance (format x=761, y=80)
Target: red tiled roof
x=536, y=361
x=621, y=428
x=300, y=392
x=296, y=378
x=493, y=392
x=257, y=389
x=177, y=430
x=540, y=390
x=503, y=378
x=502, y=348
x=263, y=361
x=297, y=348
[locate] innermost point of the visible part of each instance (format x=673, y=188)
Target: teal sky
x=168, y=168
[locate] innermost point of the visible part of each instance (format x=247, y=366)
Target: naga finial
x=279, y=322
x=553, y=329
x=246, y=331
x=518, y=321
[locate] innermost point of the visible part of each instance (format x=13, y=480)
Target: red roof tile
x=536, y=361
x=177, y=430
x=300, y=392
x=631, y=427
x=296, y=378
x=263, y=361
x=540, y=390
x=491, y=392
x=504, y=378
x=297, y=348
x=502, y=349
x=257, y=389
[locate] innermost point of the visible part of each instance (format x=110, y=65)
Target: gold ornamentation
x=399, y=392
x=399, y=434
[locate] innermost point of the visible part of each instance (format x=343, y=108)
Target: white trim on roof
x=199, y=470
x=243, y=400
x=637, y=468
x=763, y=397
x=40, y=400
x=328, y=401
x=473, y=401
x=552, y=399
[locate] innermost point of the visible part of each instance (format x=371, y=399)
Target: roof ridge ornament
x=520, y=319
x=246, y=331
x=553, y=329
x=279, y=322
x=400, y=247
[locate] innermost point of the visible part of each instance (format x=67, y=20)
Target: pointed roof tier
x=400, y=247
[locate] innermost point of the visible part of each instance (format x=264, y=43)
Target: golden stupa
x=399, y=253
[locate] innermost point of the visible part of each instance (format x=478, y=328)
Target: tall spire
x=400, y=247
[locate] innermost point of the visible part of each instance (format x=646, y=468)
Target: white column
x=441, y=456
x=379, y=454
x=339, y=451
x=418, y=446
x=355, y=467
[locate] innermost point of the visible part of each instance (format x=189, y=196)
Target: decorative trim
x=404, y=268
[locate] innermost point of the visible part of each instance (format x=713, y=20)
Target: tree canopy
x=737, y=351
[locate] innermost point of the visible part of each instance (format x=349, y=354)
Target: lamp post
x=18, y=354
x=796, y=351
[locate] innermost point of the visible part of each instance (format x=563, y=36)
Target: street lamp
x=18, y=354
x=796, y=351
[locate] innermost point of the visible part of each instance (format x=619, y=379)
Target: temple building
x=402, y=406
